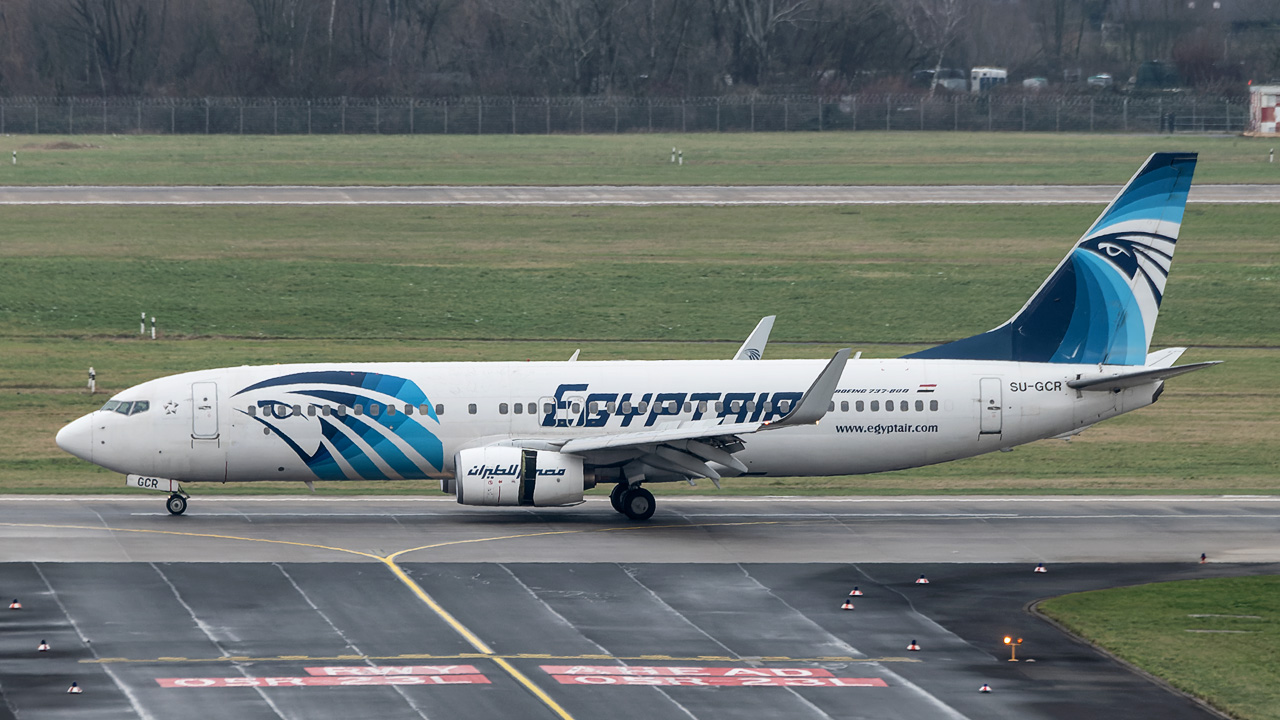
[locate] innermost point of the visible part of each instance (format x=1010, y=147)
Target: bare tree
x=934, y=25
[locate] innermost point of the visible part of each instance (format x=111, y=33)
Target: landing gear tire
x=176, y=504
x=615, y=495
x=638, y=504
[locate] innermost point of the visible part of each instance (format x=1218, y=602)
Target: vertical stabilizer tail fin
x=1099, y=305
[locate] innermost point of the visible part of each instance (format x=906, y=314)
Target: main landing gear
x=176, y=504
x=633, y=501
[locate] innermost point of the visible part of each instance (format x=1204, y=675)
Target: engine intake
x=515, y=476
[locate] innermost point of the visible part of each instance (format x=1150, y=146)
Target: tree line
x=425, y=48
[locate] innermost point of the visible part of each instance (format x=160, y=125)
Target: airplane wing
x=686, y=448
x=753, y=348
x=1120, y=381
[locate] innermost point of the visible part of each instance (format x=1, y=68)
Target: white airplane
x=541, y=433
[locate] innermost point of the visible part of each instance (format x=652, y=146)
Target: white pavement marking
x=573, y=628
x=728, y=650
x=495, y=195
x=771, y=499
x=399, y=690
x=208, y=633
x=124, y=687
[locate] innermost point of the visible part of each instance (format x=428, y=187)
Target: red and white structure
x=1264, y=109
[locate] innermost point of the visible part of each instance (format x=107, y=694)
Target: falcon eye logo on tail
x=364, y=436
x=1099, y=305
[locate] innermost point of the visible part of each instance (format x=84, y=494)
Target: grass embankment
x=281, y=284
x=1216, y=639
x=862, y=158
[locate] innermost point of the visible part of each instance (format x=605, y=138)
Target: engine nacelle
x=515, y=476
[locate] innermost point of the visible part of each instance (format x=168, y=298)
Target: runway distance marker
x=480, y=656
x=367, y=670
x=683, y=671
x=702, y=681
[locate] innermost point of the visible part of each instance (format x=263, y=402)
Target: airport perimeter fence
x=597, y=115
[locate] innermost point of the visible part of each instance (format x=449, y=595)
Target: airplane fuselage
x=247, y=424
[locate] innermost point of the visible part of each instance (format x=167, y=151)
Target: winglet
x=813, y=405
x=753, y=348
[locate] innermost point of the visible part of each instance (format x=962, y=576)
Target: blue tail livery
x=1099, y=305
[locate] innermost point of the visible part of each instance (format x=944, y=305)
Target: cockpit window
x=127, y=408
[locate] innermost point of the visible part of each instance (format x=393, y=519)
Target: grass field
x=279, y=284
x=875, y=158
x=1216, y=639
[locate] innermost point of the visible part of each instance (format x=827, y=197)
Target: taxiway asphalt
x=293, y=607
x=610, y=195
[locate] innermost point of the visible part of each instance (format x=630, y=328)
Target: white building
x=1264, y=109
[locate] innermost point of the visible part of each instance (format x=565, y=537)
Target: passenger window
x=471, y=408
x=751, y=406
x=919, y=406
x=626, y=407
x=933, y=405
x=719, y=407
x=688, y=407
x=547, y=408
x=735, y=406
x=903, y=406
x=831, y=407
x=875, y=405
x=253, y=411
x=768, y=406
x=888, y=406
x=702, y=406
x=341, y=410
x=325, y=410
x=502, y=408
x=391, y=410
x=593, y=408
x=518, y=408
x=612, y=407
x=358, y=410
x=311, y=411
x=408, y=409
x=844, y=406
x=859, y=406
x=643, y=407
x=375, y=409
x=575, y=408
x=440, y=409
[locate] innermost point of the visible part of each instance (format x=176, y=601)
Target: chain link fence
x=597, y=115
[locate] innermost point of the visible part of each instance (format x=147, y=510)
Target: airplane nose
x=77, y=438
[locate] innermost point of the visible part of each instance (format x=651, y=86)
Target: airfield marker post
x=142, y=326
x=1271, y=156
x=93, y=381
x=15, y=156
x=153, y=327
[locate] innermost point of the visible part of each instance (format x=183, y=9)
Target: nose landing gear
x=176, y=504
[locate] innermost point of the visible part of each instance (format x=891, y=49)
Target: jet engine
x=515, y=476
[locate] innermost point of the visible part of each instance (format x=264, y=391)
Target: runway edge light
x=922, y=581
x=855, y=592
x=1040, y=568
x=1203, y=558
x=15, y=605
x=74, y=689
x=848, y=604
x=985, y=688
x=43, y=647
x=913, y=647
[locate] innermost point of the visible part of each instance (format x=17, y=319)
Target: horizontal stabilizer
x=1124, y=380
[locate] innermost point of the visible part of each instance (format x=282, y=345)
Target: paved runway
x=416, y=607
x=612, y=195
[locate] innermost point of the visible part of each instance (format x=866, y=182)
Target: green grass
x=1237, y=668
x=840, y=158
x=863, y=275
